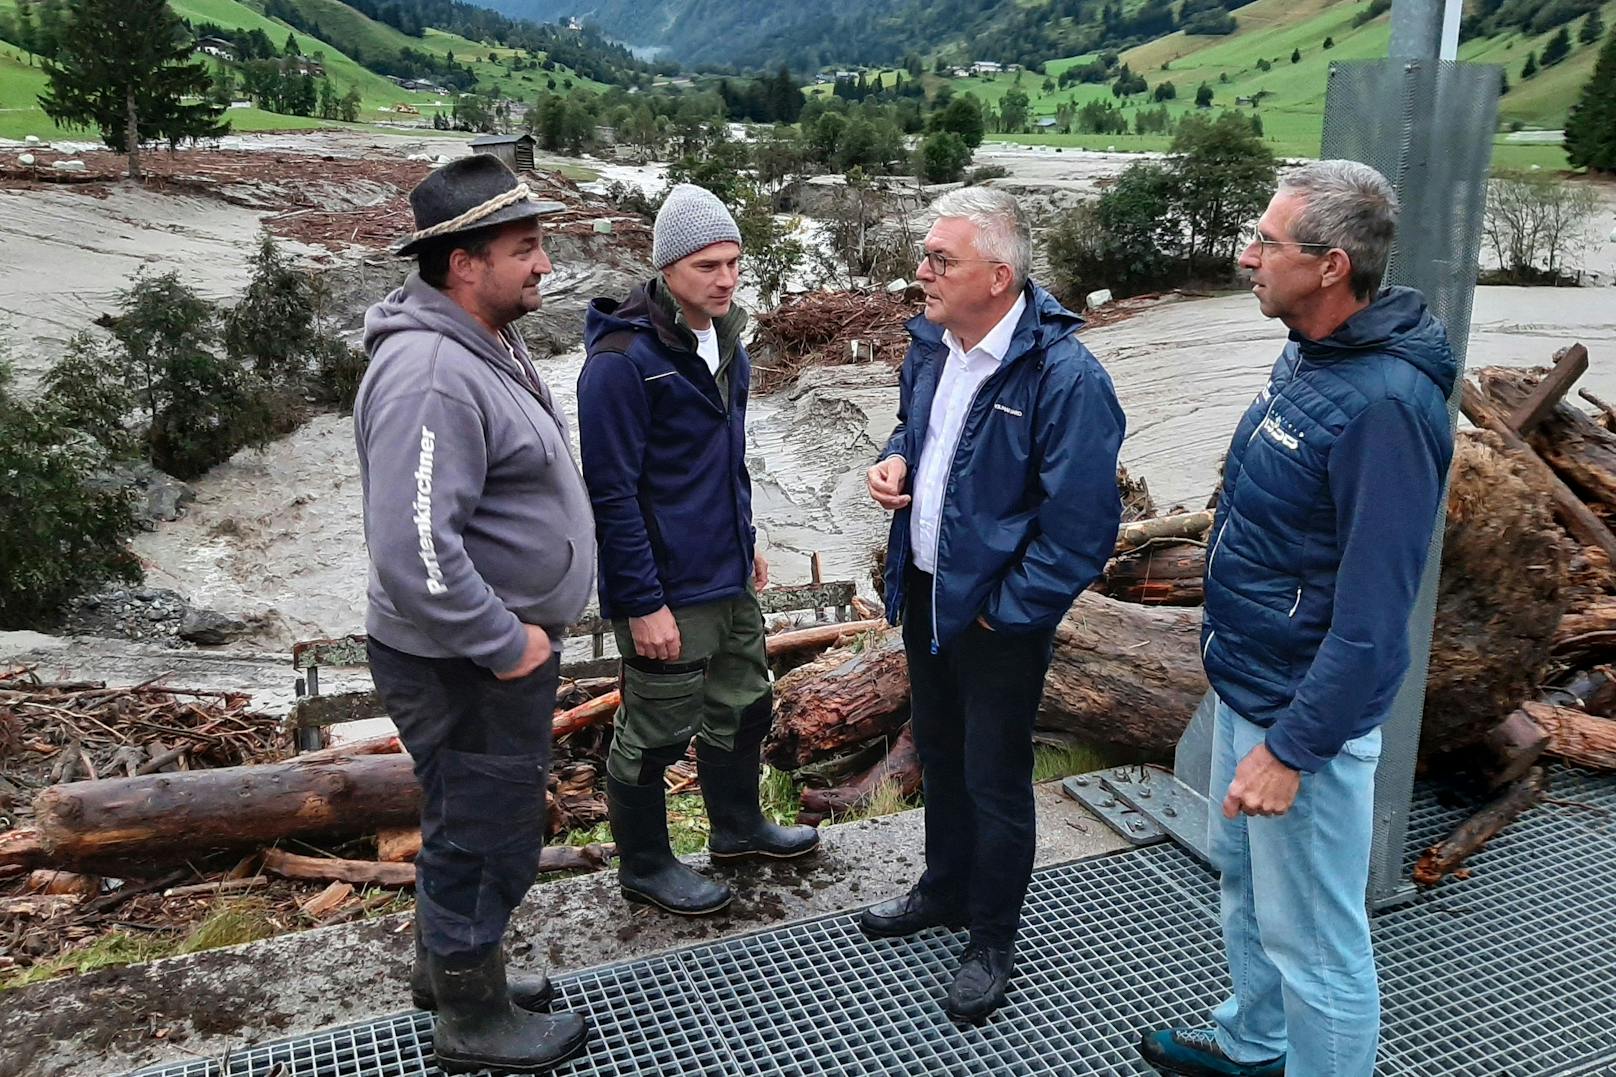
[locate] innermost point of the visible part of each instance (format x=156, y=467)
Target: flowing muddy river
x=277, y=533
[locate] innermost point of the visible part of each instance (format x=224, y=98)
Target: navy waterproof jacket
x=1330, y=493
x=1030, y=507
x=664, y=460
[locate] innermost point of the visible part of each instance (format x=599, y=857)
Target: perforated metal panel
x=1509, y=973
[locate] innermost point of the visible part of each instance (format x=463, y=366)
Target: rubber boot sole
x=469, y=1064
x=641, y=898
x=764, y=854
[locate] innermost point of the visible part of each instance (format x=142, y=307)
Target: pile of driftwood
x=1526, y=620
x=135, y=808
x=831, y=329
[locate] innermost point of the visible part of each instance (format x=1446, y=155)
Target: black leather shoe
x=908, y=914
x=647, y=870
x=980, y=984
x=477, y=1028
x=740, y=831
x=529, y=990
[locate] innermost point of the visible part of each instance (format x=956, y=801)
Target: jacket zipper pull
x=933, y=646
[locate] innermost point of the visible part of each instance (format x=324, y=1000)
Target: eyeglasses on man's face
x=939, y=262
x=1263, y=243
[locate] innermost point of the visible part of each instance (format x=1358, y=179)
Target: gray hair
x=1348, y=205
x=1002, y=230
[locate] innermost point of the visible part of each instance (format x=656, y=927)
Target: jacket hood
x=416, y=306
x=1043, y=322
x=649, y=307
x=1399, y=323
x=635, y=313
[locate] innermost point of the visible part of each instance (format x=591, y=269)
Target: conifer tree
x=125, y=67
x=1557, y=48
x=1590, y=130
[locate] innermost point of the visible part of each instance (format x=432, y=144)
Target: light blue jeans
x=1294, y=921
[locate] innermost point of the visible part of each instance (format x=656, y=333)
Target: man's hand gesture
x=886, y=480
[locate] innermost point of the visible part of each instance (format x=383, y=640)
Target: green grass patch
x=1050, y=761
x=231, y=923
x=109, y=951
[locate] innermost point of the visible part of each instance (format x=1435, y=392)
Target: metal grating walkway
x=1511, y=973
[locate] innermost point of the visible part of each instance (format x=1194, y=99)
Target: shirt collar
x=997, y=341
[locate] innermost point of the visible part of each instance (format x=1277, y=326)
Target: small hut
x=515, y=150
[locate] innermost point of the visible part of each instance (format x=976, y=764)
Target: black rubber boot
x=647, y=870
x=478, y=1028
x=729, y=785
x=529, y=990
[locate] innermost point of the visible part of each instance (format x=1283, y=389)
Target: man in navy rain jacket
x=1002, y=478
x=662, y=428
x=1330, y=492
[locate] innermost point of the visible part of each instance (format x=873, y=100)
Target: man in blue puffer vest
x=1330, y=492
x=1002, y=477
x=662, y=429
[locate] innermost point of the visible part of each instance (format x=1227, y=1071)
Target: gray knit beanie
x=690, y=218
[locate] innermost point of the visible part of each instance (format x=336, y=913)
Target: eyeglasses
x=1262, y=243
x=940, y=262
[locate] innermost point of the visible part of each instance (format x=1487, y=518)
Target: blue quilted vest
x=1274, y=551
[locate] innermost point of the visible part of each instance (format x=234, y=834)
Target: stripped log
x=899, y=768
x=1185, y=525
x=1448, y=855
x=361, y=872
x=1576, y=736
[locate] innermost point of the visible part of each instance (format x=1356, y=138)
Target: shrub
x=62, y=525
x=942, y=157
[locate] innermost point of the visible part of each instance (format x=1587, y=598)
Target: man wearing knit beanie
x=662, y=427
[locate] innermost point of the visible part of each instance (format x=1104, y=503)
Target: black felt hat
x=467, y=194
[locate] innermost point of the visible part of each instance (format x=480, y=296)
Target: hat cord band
x=516, y=194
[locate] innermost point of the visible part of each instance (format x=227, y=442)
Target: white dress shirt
x=963, y=373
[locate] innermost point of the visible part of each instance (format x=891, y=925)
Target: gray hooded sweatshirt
x=476, y=516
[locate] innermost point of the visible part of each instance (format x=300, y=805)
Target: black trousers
x=972, y=709
x=481, y=749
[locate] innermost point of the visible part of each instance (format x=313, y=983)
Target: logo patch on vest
x=1007, y=411
x=1276, y=432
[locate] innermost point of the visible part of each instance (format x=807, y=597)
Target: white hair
x=1002, y=230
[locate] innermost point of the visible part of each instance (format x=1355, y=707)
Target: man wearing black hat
x=481, y=549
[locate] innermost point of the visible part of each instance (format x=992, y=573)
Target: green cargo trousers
x=721, y=671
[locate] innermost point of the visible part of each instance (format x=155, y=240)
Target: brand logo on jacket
x=1275, y=432
x=423, y=513
x=1007, y=410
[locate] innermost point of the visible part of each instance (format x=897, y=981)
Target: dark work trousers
x=481, y=748
x=972, y=707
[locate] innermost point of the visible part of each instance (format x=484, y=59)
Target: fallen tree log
x=1185, y=525
x=1448, y=855
x=372, y=873
x=170, y=817
x=1123, y=675
x=899, y=768
x=1578, y=518
x=1576, y=736
x=1163, y=573
x=1599, y=615
x=1570, y=441
x=844, y=697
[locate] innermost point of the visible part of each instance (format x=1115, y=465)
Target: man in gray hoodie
x=482, y=551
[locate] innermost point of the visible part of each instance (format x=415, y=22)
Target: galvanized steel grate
x=1509, y=972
